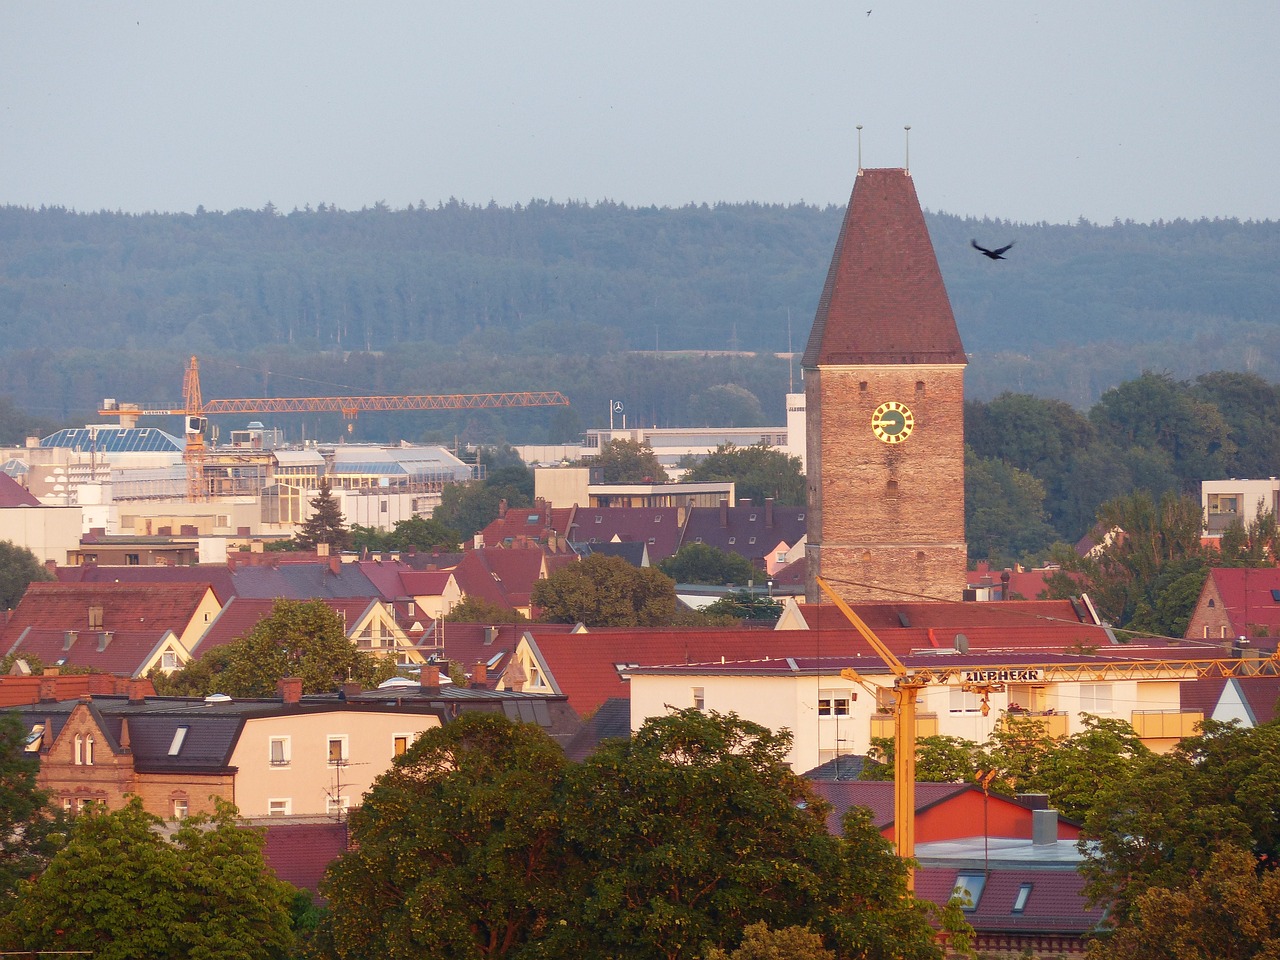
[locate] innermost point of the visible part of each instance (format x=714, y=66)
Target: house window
x=131, y=559
x=833, y=703
x=400, y=745
x=658, y=518
x=753, y=518
x=168, y=660
x=279, y=751
x=383, y=506
x=752, y=540
x=699, y=698
x=279, y=808
x=1095, y=697
x=962, y=701
x=337, y=806
x=653, y=539
x=69, y=804
x=337, y=750
x=95, y=618
x=733, y=540
x=178, y=808
x=968, y=890
x=175, y=744
x=79, y=750
x=88, y=751
x=1020, y=901
x=1224, y=503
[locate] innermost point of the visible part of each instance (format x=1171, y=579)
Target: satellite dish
x=962, y=643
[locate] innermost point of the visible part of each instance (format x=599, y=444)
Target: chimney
x=46, y=738
x=431, y=678
x=1044, y=827
x=351, y=689
x=51, y=567
x=479, y=676
x=768, y=513
x=101, y=684
x=290, y=689
x=48, y=689
x=335, y=565
x=724, y=513
x=490, y=635
x=502, y=508
x=138, y=691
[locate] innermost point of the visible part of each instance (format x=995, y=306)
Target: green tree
x=1251, y=407
x=939, y=759
x=416, y=533
x=604, y=591
x=30, y=828
x=1073, y=772
x=457, y=850
x=18, y=568
x=119, y=891
x=703, y=563
x=789, y=943
x=628, y=461
x=758, y=472
x=325, y=525
x=1225, y=912
x=301, y=638
x=695, y=828
x=473, y=609
x=470, y=507
x=1004, y=512
x=744, y=605
x=1160, y=824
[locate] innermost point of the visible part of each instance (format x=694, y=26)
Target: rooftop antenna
x=859, y=129
x=907, y=138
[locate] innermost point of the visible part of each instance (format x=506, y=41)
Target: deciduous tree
x=628, y=461
x=120, y=891
x=30, y=828
x=18, y=568
x=758, y=472
x=703, y=563
x=457, y=850
x=604, y=591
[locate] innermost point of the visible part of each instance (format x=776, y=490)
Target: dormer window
x=95, y=618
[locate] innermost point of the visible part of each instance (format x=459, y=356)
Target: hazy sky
x=1021, y=110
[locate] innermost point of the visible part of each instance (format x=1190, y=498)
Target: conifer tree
x=326, y=523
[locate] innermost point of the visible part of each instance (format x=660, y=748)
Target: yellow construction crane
x=196, y=412
x=907, y=685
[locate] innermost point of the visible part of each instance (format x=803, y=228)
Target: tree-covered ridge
x=536, y=295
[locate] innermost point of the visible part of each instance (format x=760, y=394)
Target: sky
x=1018, y=110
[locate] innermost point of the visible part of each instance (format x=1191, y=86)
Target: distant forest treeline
x=600, y=301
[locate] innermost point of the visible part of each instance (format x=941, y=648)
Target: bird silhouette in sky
x=992, y=254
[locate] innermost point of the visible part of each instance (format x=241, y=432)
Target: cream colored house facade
x=830, y=716
x=318, y=764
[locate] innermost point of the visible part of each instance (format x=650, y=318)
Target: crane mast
x=196, y=412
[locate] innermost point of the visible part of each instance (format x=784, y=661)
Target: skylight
x=179, y=735
x=968, y=890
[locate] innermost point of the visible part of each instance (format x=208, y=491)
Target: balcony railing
x=882, y=725
x=1054, y=724
x=1167, y=724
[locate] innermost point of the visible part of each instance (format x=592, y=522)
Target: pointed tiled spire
x=884, y=300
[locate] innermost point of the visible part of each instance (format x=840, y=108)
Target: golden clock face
x=892, y=422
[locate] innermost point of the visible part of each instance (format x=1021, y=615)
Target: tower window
x=891, y=488
x=919, y=386
x=863, y=386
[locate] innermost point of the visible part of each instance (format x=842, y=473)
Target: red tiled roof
x=126, y=652
x=14, y=494
x=539, y=523
x=504, y=576
x=1247, y=595
x=884, y=300
x=299, y=853
x=138, y=607
x=1056, y=904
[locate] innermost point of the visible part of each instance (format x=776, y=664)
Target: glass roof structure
x=110, y=439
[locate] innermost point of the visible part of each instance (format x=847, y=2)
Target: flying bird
x=992, y=254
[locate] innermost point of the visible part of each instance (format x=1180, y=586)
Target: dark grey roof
x=302, y=581
x=612, y=721
x=848, y=767
x=632, y=551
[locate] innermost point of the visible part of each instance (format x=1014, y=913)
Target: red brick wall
x=886, y=521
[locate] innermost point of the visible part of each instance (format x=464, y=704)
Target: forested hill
x=552, y=295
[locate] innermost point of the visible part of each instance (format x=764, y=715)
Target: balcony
x=882, y=725
x=1167, y=724
x=1053, y=724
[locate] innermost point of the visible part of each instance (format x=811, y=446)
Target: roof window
x=179, y=736
x=1020, y=901
x=968, y=890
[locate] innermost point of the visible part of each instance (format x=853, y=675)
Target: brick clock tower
x=884, y=392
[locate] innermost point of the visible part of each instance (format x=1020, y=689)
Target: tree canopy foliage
x=483, y=841
x=703, y=563
x=604, y=591
x=628, y=461
x=120, y=891
x=301, y=638
x=19, y=567
x=758, y=472
x=30, y=828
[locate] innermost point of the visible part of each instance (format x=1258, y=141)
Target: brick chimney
x=290, y=689
x=138, y=691
x=351, y=689
x=724, y=513
x=479, y=676
x=48, y=688
x=768, y=513
x=51, y=567
x=430, y=678
x=502, y=508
